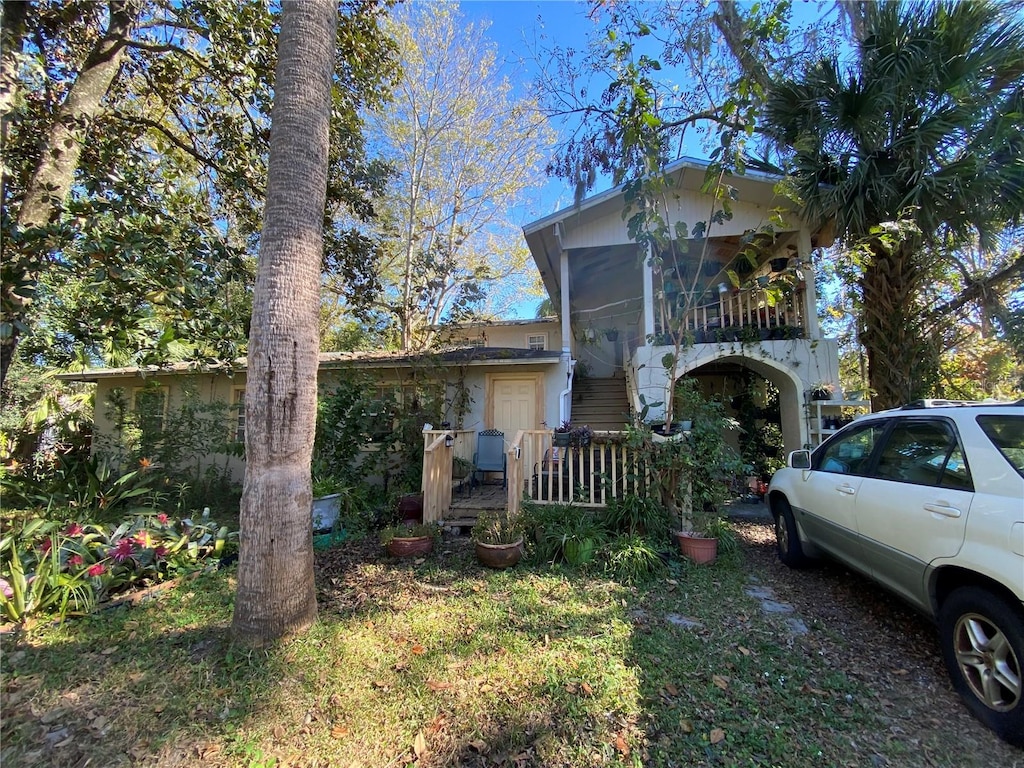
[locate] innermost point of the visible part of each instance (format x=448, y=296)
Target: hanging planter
x=612, y=334
x=779, y=264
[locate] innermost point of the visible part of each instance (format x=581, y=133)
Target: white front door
x=514, y=404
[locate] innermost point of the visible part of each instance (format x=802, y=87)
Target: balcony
x=757, y=314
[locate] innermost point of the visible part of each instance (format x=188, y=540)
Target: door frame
x=491, y=379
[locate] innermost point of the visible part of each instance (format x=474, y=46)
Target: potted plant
x=461, y=468
x=612, y=334
x=409, y=540
x=691, y=475
x=562, y=434
x=327, y=492
x=498, y=539
x=822, y=390
x=577, y=534
x=581, y=437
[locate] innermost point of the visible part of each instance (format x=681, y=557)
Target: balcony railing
x=732, y=315
x=590, y=475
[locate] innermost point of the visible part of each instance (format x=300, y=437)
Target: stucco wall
x=511, y=335
x=792, y=365
x=213, y=388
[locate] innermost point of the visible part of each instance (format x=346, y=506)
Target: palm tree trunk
x=901, y=360
x=276, y=592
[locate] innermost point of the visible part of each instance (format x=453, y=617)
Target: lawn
x=440, y=662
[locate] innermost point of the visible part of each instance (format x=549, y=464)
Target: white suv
x=927, y=500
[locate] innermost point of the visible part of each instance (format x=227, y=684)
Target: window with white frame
x=238, y=414
x=536, y=341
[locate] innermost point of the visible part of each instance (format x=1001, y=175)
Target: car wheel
x=787, y=540
x=983, y=646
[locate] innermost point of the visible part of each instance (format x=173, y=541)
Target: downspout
x=565, y=396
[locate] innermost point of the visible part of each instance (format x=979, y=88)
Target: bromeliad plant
x=47, y=566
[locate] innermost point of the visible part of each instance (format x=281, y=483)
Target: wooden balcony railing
x=746, y=315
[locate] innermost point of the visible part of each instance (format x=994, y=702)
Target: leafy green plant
x=634, y=514
x=50, y=566
x=575, y=535
x=633, y=560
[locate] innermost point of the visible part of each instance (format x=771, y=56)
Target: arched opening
x=764, y=399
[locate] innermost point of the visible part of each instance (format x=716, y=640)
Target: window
x=479, y=341
x=537, y=341
x=238, y=414
x=924, y=453
x=850, y=453
x=150, y=406
x=1006, y=431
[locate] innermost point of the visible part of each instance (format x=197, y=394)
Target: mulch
x=873, y=637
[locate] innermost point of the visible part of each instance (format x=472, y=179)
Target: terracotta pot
x=411, y=547
x=499, y=555
x=699, y=549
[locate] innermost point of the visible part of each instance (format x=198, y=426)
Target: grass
x=440, y=663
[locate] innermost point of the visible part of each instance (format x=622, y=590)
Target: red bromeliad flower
x=74, y=529
x=162, y=518
x=96, y=569
x=122, y=550
x=144, y=539
x=45, y=545
x=75, y=560
x=160, y=551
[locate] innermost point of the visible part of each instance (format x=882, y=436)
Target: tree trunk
x=901, y=362
x=276, y=592
x=61, y=150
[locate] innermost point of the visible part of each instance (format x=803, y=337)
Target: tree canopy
x=465, y=149
x=135, y=145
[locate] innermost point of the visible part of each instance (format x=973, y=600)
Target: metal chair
x=490, y=454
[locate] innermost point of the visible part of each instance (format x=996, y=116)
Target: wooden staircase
x=601, y=403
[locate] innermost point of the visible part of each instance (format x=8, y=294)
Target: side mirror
x=800, y=459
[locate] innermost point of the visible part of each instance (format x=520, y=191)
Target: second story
x=741, y=275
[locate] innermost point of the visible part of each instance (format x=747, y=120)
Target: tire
x=982, y=637
x=787, y=538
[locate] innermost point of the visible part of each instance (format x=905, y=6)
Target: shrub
x=632, y=559
x=68, y=567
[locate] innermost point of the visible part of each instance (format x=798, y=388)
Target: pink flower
x=75, y=560
x=160, y=551
x=96, y=569
x=5, y=587
x=74, y=529
x=143, y=539
x=46, y=545
x=162, y=518
x=122, y=550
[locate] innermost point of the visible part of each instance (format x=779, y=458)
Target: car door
x=913, y=506
x=826, y=507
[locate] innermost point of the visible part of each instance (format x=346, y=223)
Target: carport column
x=648, y=295
x=803, y=249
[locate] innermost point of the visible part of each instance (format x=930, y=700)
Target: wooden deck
x=467, y=504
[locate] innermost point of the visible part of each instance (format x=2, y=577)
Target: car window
x=848, y=452
x=1006, y=431
x=923, y=452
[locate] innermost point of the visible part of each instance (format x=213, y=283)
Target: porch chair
x=490, y=454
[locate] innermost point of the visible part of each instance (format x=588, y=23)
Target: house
x=623, y=304
x=740, y=297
